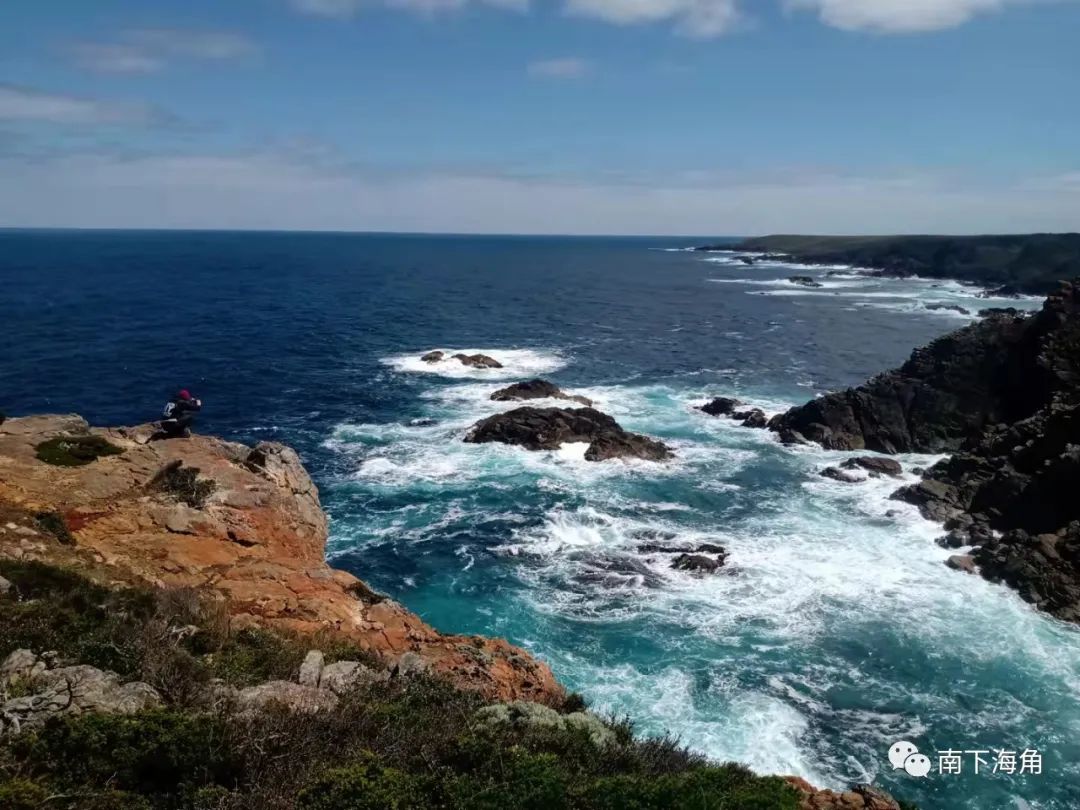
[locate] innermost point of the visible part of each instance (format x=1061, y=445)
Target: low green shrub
x=183, y=484
x=22, y=794
x=53, y=523
x=157, y=753
x=75, y=451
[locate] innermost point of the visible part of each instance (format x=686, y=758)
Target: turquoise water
x=836, y=629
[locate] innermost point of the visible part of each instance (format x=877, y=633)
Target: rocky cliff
x=242, y=523
x=1003, y=396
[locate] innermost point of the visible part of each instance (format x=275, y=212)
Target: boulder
x=65, y=690
x=343, y=676
x=875, y=464
x=536, y=389
x=477, y=361
x=836, y=474
x=311, y=669
x=550, y=428
x=754, y=418
x=5, y=586
x=293, y=696
x=433, y=357
x=804, y=281
x=962, y=562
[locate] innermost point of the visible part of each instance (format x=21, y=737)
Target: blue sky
x=552, y=116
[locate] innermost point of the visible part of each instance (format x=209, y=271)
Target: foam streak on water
x=836, y=629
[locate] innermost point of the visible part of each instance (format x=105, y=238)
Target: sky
x=704, y=117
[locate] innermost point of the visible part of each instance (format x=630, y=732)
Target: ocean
x=836, y=629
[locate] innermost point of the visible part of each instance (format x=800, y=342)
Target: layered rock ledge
x=242, y=523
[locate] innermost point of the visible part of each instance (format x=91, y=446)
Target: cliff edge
x=242, y=523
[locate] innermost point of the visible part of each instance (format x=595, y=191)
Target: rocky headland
x=243, y=523
x=1002, y=397
x=1011, y=264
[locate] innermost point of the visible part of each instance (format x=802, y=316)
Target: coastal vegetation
x=402, y=742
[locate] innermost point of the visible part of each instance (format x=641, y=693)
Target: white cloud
x=703, y=18
x=147, y=50
x=344, y=9
x=23, y=104
x=340, y=9
x=901, y=16
x=568, y=67
x=284, y=190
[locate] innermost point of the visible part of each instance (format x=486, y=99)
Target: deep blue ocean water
x=838, y=631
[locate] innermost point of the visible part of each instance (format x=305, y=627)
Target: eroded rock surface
x=258, y=539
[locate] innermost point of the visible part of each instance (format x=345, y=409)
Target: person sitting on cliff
x=179, y=415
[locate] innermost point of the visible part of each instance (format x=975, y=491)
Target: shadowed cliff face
x=243, y=522
x=1000, y=370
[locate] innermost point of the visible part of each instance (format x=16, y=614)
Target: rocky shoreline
x=243, y=527
x=1002, y=396
x=1009, y=264
x=242, y=523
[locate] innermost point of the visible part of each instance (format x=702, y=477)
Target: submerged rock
x=550, y=428
x=536, y=389
x=947, y=308
x=433, y=357
x=698, y=563
x=805, y=281
x=836, y=474
x=875, y=465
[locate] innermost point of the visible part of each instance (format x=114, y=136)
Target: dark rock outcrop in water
x=721, y=406
x=805, y=281
x=477, y=361
x=550, y=428
x=1004, y=397
x=471, y=360
x=536, y=389
x=726, y=406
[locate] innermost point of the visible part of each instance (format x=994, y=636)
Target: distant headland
x=1023, y=263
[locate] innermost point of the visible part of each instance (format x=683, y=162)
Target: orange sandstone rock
x=257, y=539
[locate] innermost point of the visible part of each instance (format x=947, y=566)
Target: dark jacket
x=179, y=408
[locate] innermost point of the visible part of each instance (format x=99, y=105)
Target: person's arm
x=187, y=406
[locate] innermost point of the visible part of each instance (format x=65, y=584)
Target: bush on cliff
x=75, y=451
x=405, y=743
